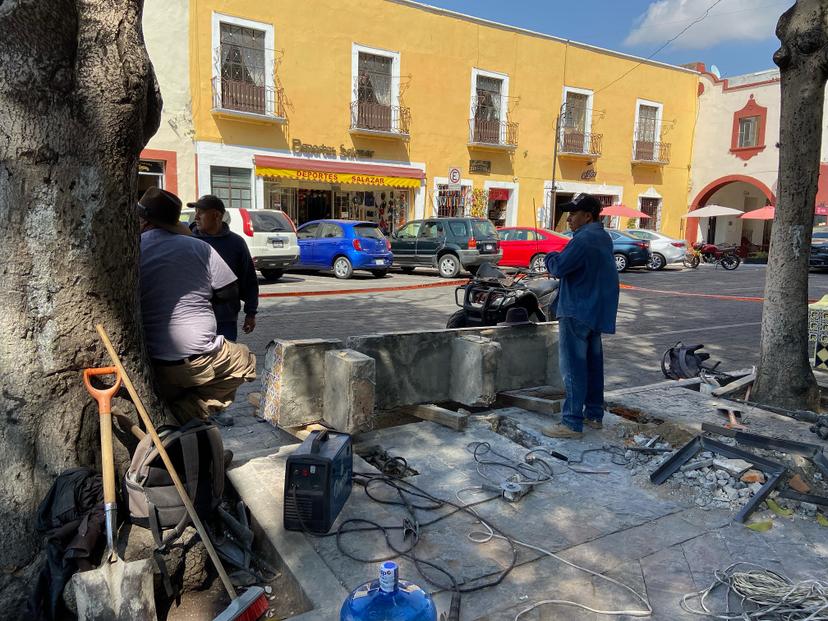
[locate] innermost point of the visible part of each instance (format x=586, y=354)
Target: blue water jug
x=388, y=599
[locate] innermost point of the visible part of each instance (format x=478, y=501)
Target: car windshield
x=368, y=230
x=268, y=220
x=483, y=229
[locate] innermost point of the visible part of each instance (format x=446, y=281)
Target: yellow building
x=360, y=109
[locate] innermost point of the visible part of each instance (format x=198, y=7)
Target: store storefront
x=312, y=189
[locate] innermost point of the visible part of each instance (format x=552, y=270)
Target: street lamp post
x=554, y=197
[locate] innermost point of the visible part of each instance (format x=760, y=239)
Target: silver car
x=664, y=250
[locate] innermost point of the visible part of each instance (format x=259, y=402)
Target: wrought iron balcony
x=651, y=152
x=579, y=144
x=493, y=134
x=245, y=98
x=369, y=117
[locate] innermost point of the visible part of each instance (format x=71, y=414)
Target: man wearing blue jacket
x=210, y=227
x=586, y=307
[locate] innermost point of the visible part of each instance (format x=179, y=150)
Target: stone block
x=348, y=396
x=293, y=381
x=474, y=362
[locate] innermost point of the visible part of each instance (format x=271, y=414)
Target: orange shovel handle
x=103, y=397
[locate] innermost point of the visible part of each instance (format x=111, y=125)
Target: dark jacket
x=589, y=279
x=233, y=249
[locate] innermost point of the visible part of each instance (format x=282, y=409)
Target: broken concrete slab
x=293, y=381
x=734, y=467
x=349, y=388
x=474, y=362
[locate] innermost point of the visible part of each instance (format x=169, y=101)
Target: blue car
x=343, y=246
x=628, y=251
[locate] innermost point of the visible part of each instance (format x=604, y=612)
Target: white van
x=270, y=236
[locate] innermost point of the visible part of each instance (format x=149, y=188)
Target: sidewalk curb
x=427, y=285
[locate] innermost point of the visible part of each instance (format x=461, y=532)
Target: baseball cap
x=583, y=202
x=208, y=201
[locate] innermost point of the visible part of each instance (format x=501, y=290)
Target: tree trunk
x=78, y=101
x=784, y=377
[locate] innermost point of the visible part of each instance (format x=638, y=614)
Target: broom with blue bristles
x=251, y=604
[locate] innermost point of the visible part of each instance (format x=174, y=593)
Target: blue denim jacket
x=589, y=280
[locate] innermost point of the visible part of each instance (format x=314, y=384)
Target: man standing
x=209, y=227
x=587, y=305
x=198, y=371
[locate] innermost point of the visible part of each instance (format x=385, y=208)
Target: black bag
x=684, y=361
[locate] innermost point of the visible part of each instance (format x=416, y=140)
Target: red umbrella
x=623, y=211
x=765, y=213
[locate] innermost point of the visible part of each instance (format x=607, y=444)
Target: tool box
x=318, y=481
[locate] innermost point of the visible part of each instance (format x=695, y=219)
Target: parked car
x=663, y=250
x=527, y=247
x=269, y=233
x=449, y=244
x=819, y=249
x=344, y=246
x=628, y=251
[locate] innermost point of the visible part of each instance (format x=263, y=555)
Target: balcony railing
x=652, y=152
x=580, y=143
x=493, y=133
x=371, y=116
x=247, y=98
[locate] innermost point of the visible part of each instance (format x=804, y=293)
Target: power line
x=688, y=27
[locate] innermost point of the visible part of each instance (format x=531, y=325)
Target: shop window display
x=450, y=203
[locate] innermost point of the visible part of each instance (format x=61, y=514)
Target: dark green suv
x=449, y=244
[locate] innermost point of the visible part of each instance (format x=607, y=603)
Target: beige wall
x=166, y=32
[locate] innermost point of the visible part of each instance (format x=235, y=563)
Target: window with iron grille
x=487, y=109
x=747, y=131
x=574, y=122
x=243, y=79
x=374, y=91
x=450, y=203
x=650, y=207
x=231, y=185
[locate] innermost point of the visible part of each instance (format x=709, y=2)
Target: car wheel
x=449, y=266
x=538, y=263
x=407, y=269
x=620, y=262
x=458, y=320
x=272, y=274
x=342, y=268
x=657, y=262
x=379, y=273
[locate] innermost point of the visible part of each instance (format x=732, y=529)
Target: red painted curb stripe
x=689, y=294
x=427, y=285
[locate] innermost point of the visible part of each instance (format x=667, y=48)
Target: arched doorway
x=739, y=192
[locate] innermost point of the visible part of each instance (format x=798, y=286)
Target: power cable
x=638, y=64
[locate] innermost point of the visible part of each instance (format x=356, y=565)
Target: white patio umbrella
x=711, y=211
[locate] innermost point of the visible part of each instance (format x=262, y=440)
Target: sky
x=735, y=35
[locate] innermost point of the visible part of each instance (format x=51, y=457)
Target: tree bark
x=78, y=101
x=784, y=376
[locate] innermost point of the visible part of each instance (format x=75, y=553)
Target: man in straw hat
x=197, y=370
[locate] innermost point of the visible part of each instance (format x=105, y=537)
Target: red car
x=527, y=247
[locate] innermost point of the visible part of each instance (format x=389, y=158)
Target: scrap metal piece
x=812, y=498
x=773, y=470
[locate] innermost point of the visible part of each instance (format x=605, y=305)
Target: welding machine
x=318, y=480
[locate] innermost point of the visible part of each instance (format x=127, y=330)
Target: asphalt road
x=660, y=309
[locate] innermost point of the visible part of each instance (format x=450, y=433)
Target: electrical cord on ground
x=491, y=533
x=533, y=471
x=762, y=594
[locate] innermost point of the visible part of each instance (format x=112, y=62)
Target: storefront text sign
x=303, y=148
x=335, y=177
x=480, y=166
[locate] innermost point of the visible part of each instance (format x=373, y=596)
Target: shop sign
x=334, y=177
x=480, y=166
x=588, y=174
x=302, y=148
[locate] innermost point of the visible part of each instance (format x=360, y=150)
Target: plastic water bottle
x=388, y=599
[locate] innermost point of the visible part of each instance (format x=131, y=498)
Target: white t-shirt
x=178, y=276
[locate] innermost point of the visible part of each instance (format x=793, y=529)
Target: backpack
x=197, y=454
x=685, y=361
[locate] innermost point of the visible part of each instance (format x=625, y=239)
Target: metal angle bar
x=760, y=496
x=764, y=464
x=672, y=465
x=812, y=498
x=759, y=441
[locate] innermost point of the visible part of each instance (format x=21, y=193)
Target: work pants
x=207, y=384
x=582, y=368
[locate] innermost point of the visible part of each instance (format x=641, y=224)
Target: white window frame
x=504, y=100
x=587, y=116
x=269, y=60
x=659, y=115
x=658, y=211
x=356, y=48
x=755, y=123
x=512, y=203
x=465, y=184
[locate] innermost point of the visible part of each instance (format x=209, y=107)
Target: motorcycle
x=726, y=256
x=488, y=296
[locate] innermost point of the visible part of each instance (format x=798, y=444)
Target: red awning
x=336, y=166
x=498, y=194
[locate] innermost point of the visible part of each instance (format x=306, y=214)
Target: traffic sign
x=454, y=178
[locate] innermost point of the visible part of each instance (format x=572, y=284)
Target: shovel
x=117, y=590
